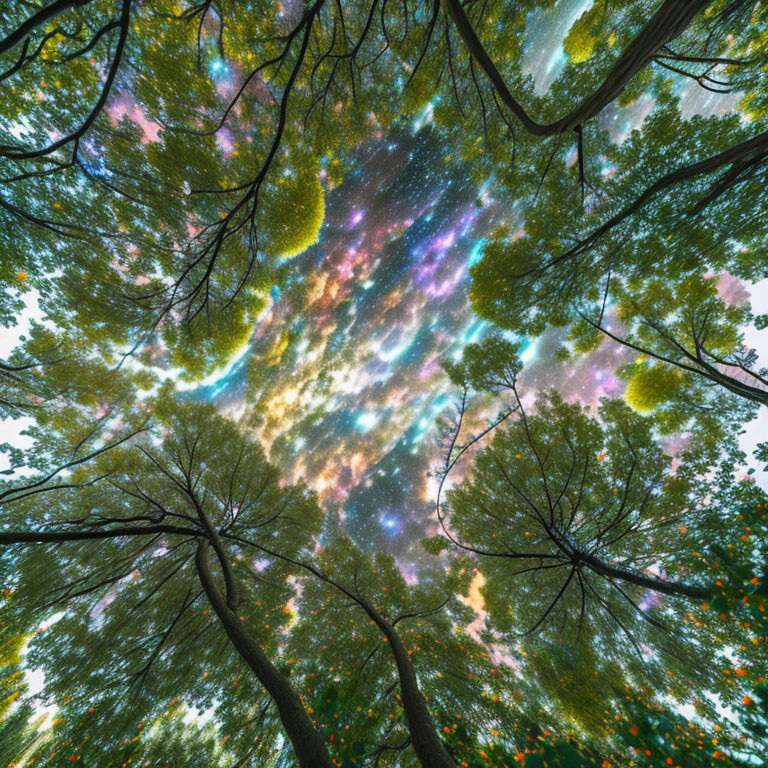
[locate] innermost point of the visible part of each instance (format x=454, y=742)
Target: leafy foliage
x=595, y=593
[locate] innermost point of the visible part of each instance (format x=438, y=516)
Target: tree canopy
x=196, y=192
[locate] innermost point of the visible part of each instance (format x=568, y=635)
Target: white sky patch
x=194, y=716
x=12, y=434
x=9, y=337
x=756, y=431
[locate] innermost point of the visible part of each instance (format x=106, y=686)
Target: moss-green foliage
x=293, y=214
x=558, y=477
x=581, y=39
x=651, y=386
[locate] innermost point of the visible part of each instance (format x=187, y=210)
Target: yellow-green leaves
x=292, y=214
x=651, y=386
x=581, y=38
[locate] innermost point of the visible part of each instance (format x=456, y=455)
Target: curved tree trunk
x=668, y=23
x=698, y=367
x=740, y=157
x=427, y=745
x=308, y=745
x=649, y=582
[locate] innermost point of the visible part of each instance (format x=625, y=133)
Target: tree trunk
x=668, y=23
x=230, y=582
x=44, y=14
x=698, y=367
x=308, y=745
x=52, y=537
x=649, y=582
x=742, y=155
x=427, y=745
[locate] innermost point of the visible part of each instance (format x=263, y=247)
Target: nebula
x=343, y=368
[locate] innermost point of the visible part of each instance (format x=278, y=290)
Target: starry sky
x=344, y=366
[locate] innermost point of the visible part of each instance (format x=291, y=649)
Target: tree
x=583, y=496
x=182, y=209
x=608, y=274
x=564, y=512
x=377, y=588
x=159, y=510
x=668, y=23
